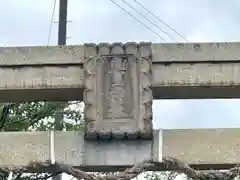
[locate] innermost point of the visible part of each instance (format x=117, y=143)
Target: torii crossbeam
x=118, y=83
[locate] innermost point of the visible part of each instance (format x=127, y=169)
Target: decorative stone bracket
x=118, y=96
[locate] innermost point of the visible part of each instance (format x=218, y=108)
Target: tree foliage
x=37, y=116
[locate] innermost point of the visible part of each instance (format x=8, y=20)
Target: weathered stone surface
x=196, y=52
x=202, y=148
x=118, y=98
x=69, y=147
x=40, y=55
x=19, y=148
x=55, y=72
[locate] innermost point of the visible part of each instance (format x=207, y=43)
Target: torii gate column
x=118, y=96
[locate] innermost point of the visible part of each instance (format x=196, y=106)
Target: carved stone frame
x=137, y=124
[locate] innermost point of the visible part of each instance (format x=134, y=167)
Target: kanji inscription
x=118, y=98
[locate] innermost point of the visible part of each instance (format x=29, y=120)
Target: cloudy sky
x=26, y=22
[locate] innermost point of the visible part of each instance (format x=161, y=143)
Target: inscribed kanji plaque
x=118, y=98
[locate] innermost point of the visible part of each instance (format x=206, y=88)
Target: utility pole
x=62, y=37
x=62, y=24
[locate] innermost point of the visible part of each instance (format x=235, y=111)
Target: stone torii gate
x=118, y=83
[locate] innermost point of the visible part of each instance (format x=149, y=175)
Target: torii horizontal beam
x=201, y=148
x=180, y=71
x=116, y=81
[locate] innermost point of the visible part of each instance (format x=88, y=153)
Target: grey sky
x=26, y=22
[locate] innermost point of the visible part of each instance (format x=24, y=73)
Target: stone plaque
x=118, y=98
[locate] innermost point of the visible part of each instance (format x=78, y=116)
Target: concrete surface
x=118, y=97
x=41, y=55
x=202, y=148
x=161, y=52
x=196, y=52
x=180, y=71
x=18, y=148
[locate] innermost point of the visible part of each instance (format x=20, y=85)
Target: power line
x=138, y=20
x=148, y=19
x=160, y=20
x=51, y=22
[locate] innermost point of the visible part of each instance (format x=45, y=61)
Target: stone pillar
x=118, y=95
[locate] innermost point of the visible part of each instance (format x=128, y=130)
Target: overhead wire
x=6, y=107
x=148, y=19
x=160, y=20
x=139, y=20
x=51, y=22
